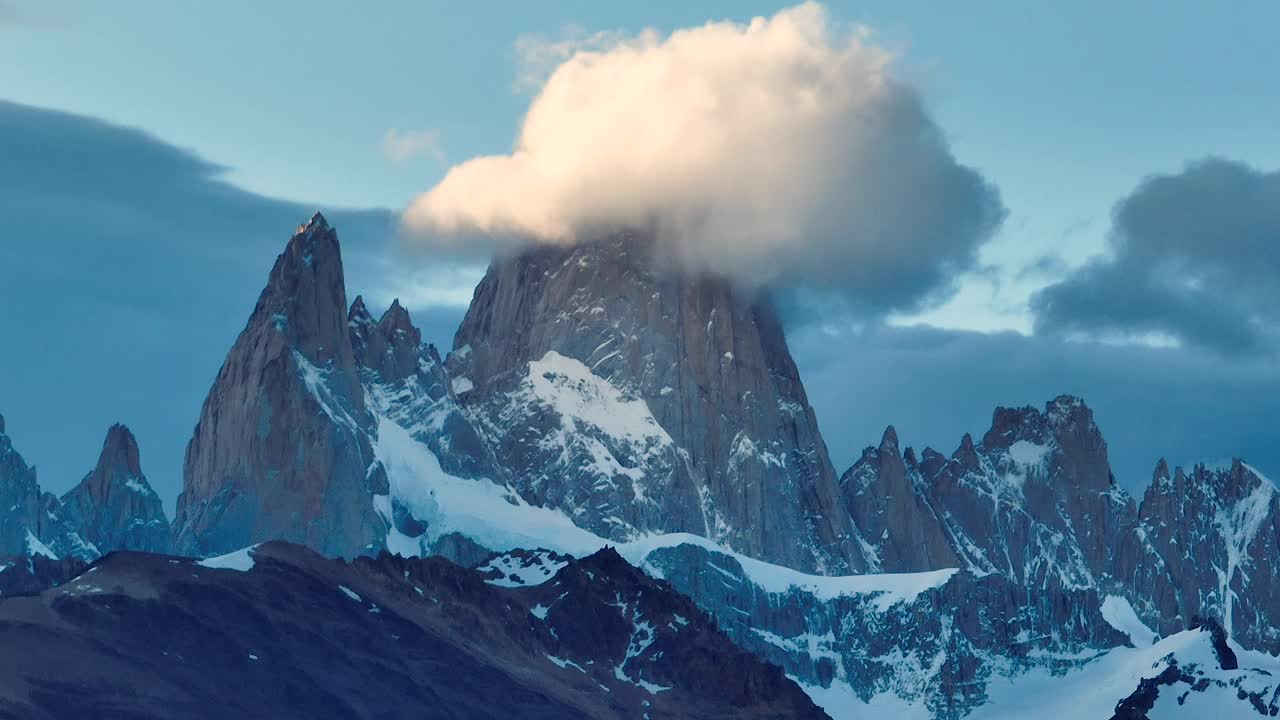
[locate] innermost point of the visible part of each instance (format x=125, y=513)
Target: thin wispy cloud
x=404, y=145
x=538, y=56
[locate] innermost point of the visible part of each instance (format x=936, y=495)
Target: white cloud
x=402, y=145
x=781, y=150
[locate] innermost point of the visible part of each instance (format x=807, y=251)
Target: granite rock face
x=391, y=348
x=282, y=447
x=885, y=496
x=638, y=399
x=1217, y=534
x=114, y=507
x=32, y=521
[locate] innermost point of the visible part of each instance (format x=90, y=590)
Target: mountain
x=33, y=522
x=637, y=399
x=295, y=635
x=281, y=450
x=595, y=397
x=114, y=507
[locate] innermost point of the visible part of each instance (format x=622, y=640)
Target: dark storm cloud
x=1194, y=256
x=127, y=268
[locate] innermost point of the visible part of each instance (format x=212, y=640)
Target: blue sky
x=1065, y=110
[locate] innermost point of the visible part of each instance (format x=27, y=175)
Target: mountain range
x=605, y=415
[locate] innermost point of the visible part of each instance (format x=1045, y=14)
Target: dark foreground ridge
x=140, y=635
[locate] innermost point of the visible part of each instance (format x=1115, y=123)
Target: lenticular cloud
x=781, y=150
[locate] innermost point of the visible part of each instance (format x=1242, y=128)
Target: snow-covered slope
x=1181, y=677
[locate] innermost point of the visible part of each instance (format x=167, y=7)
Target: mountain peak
x=282, y=442
x=317, y=223
x=121, y=447
x=613, y=314
x=396, y=320
x=113, y=506
x=889, y=440
x=359, y=311
x=1161, y=474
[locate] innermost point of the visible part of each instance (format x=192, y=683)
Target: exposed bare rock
x=391, y=347
x=31, y=520
x=282, y=448
x=1217, y=533
x=114, y=507
x=884, y=494
x=705, y=426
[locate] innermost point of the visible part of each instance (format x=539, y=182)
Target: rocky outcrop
x=885, y=496
x=32, y=521
x=407, y=383
x=1217, y=535
x=282, y=447
x=391, y=348
x=278, y=631
x=114, y=507
x=640, y=399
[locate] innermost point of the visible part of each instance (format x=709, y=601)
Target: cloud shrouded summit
x=779, y=151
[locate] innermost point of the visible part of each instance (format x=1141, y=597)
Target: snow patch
x=1120, y=615
x=515, y=571
x=349, y=593
x=1028, y=454
x=1238, y=526
x=580, y=396
x=461, y=385
x=565, y=663
x=35, y=547
x=241, y=560
x=137, y=486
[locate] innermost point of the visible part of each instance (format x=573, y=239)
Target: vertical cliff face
x=31, y=520
x=638, y=399
x=1217, y=533
x=114, y=506
x=281, y=450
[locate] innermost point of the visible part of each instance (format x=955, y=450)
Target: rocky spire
x=391, y=348
x=367, y=344
x=893, y=515
x=31, y=521
x=404, y=343
x=720, y=439
x=282, y=446
x=113, y=506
